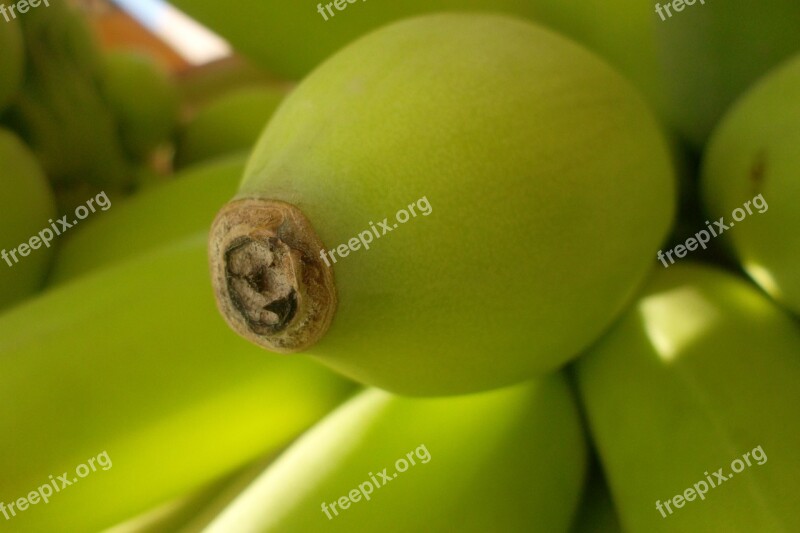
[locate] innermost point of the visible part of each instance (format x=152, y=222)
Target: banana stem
x=270, y=282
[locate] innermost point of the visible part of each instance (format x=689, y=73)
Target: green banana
x=12, y=60
x=520, y=264
x=752, y=165
x=144, y=100
x=231, y=123
x=60, y=110
x=26, y=209
x=153, y=218
x=695, y=379
x=134, y=361
x=711, y=52
x=507, y=460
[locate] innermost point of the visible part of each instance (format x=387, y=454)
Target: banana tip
x=270, y=282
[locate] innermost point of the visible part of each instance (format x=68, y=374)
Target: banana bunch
x=60, y=110
x=495, y=216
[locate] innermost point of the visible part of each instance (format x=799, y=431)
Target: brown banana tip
x=270, y=282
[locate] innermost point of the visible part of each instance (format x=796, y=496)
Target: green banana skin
x=754, y=152
x=165, y=213
x=136, y=362
x=231, y=123
x=710, y=54
x=26, y=206
x=507, y=460
x=144, y=100
x=703, y=369
x=12, y=61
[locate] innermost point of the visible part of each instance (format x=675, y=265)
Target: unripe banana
x=507, y=460
x=525, y=241
x=143, y=98
x=134, y=361
x=11, y=61
x=156, y=217
x=231, y=123
x=27, y=206
x=60, y=111
x=698, y=378
x=751, y=172
x=712, y=52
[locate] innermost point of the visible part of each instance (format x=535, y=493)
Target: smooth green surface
x=755, y=151
x=507, y=460
x=157, y=216
x=12, y=60
x=26, y=206
x=143, y=98
x=703, y=369
x=549, y=184
x=710, y=54
x=135, y=361
x=231, y=123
